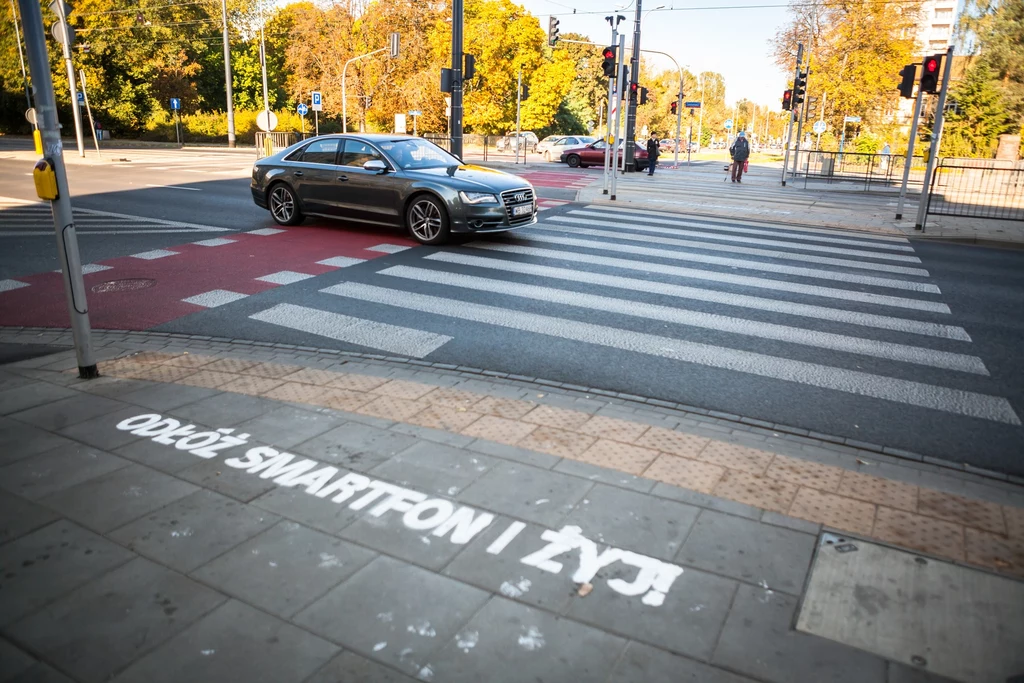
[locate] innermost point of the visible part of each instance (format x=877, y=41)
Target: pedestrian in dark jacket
x=740, y=152
x=652, y=154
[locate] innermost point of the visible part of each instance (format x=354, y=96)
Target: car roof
x=373, y=137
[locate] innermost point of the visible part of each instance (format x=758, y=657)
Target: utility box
x=828, y=166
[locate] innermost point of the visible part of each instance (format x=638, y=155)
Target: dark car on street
x=593, y=155
x=392, y=181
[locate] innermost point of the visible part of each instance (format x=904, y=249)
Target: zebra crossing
x=22, y=218
x=754, y=306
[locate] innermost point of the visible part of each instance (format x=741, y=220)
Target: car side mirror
x=375, y=165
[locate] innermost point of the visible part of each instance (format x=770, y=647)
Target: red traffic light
x=633, y=87
x=786, y=94
x=609, y=53
x=931, y=65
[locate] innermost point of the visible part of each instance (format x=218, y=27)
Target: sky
x=703, y=37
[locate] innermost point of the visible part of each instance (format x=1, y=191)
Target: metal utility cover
x=953, y=621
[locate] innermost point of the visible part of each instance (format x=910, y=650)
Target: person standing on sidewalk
x=740, y=152
x=653, y=149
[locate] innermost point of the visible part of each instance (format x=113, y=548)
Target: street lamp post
x=21, y=55
x=344, y=87
x=263, y=63
x=227, y=74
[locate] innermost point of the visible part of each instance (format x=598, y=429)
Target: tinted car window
x=571, y=141
x=296, y=155
x=416, y=153
x=358, y=153
x=321, y=151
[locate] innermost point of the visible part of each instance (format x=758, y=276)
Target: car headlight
x=478, y=198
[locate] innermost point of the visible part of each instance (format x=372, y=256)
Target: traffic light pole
x=66, y=48
x=634, y=71
x=679, y=128
x=612, y=89
x=933, y=152
x=789, y=131
x=60, y=206
x=801, y=118
x=618, y=116
x=910, y=154
x=458, y=19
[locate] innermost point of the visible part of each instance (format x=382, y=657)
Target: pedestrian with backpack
x=740, y=152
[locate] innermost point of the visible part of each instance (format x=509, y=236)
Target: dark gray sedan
x=390, y=180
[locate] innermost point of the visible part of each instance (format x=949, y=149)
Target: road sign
x=60, y=8
x=728, y=124
x=851, y=119
x=30, y=116
x=819, y=127
x=318, y=103
x=266, y=120
x=62, y=33
x=692, y=105
x=303, y=109
x=415, y=112
x=175, y=104
x=400, y=123
x=81, y=97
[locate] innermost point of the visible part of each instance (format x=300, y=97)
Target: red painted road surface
x=574, y=180
x=192, y=271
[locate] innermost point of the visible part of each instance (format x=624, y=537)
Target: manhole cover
x=129, y=285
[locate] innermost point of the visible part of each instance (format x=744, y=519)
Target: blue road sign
x=819, y=127
x=692, y=105
x=728, y=124
x=81, y=97
x=318, y=103
x=851, y=119
x=303, y=109
x=175, y=104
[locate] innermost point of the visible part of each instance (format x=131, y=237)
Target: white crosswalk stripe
x=599, y=287
x=21, y=218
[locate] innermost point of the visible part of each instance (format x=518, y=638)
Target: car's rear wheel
x=427, y=220
x=573, y=160
x=284, y=206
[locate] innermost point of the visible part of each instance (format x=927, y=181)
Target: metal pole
x=63, y=221
x=457, y=24
x=21, y=55
x=227, y=74
x=933, y=152
x=519, y=100
x=910, y=154
x=620, y=124
x=679, y=126
x=634, y=76
x=618, y=117
x=263, y=63
x=88, y=110
x=612, y=90
x=316, y=121
x=789, y=130
x=66, y=46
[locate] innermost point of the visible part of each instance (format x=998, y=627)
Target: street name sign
x=692, y=105
x=851, y=119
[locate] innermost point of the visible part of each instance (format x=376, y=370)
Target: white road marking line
x=710, y=321
x=158, y=221
x=713, y=276
x=44, y=233
x=740, y=221
x=902, y=391
x=214, y=298
x=154, y=254
x=266, y=231
x=732, y=238
x=388, y=248
x=359, y=331
x=642, y=225
x=341, y=261
x=285, y=277
x=711, y=295
x=89, y=268
x=766, y=267
x=174, y=187
x=215, y=242
x=616, y=233
x=8, y=285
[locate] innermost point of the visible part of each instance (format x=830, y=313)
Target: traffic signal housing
x=930, y=71
x=643, y=95
x=787, y=100
x=608, y=65
x=799, y=88
x=469, y=66
x=906, y=86
x=673, y=107
x=634, y=89
x=552, y=31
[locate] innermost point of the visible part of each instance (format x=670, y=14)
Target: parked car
x=669, y=145
x=552, y=146
x=526, y=141
x=593, y=155
x=391, y=181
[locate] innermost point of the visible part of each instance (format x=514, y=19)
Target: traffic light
x=552, y=31
x=906, y=86
x=799, y=88
x=787, y=100
x=634, y=89
x=930, y=73
x=643, y=95
x=608, y=65
x=624, y=86
x=673, y=107
x=469, y=69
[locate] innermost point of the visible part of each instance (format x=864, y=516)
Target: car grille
x=512, y=198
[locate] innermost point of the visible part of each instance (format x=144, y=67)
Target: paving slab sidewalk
x=210, y=511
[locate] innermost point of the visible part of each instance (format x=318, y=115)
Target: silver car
x=552, y=146
x=392, y=181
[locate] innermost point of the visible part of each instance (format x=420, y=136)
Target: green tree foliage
x=972, y=127
x=997, y=28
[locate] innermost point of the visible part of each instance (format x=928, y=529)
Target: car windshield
x=586, y=138
x=410, y=154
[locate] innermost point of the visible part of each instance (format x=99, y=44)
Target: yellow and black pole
x=51, y=182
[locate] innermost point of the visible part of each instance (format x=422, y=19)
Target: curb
x=668, y=407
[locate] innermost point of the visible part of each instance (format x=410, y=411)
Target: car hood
x=470, y=178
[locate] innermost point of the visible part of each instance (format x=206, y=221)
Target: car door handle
x=343, y=178
x=297, y=174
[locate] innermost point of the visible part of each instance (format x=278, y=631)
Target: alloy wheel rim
x=282, y=205
x=426, y=220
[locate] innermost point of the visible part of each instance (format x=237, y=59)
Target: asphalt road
x=908, y=344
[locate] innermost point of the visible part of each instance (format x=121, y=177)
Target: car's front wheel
x=284, y=206
x=573, y=160
x=427, y=220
